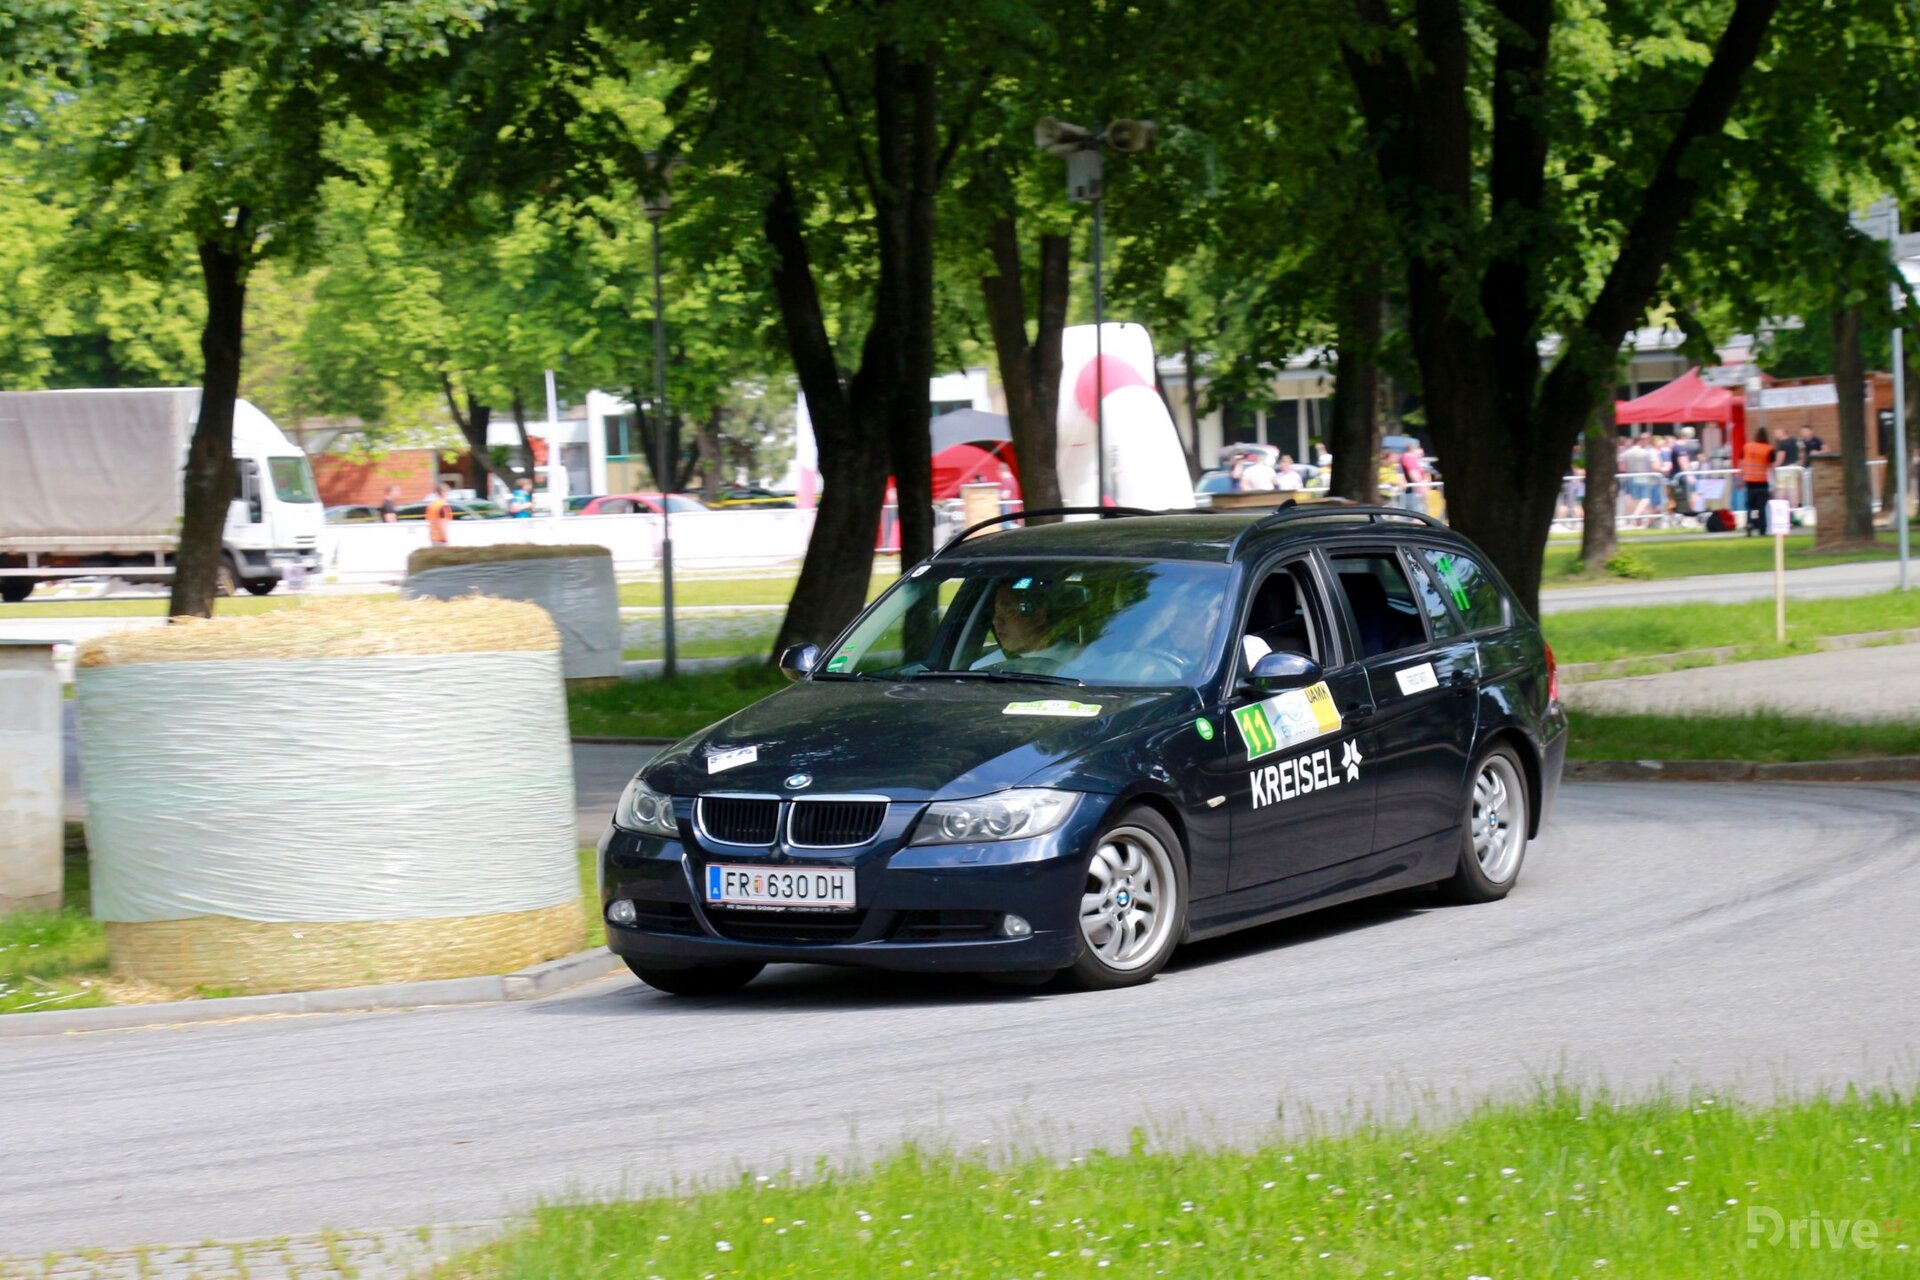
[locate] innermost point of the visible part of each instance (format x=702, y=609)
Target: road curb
x=1884, y=769
x=524, y=984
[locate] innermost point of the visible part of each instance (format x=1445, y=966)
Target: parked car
x=353, y=513
x=751, y=496
x=1101, y=740
x=463, y=509
x=627, y=504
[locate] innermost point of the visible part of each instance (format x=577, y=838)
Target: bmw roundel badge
x=799, y=781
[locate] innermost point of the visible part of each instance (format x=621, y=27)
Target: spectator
x=520, y=501
x=1258, y=475
x=1639, y=466
x=1413, y=465
x=1392, y=478
x=1321, y=457
x=439, y=513
x=390, y=506
x=1754, y=461
x=1288, y=478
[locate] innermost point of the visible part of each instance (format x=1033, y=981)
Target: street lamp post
x=655, y=201
x=1084, y=151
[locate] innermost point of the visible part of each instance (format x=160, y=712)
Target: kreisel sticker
x=1417, y=679
x=721, y=761
x=1298, y=715
x=1051, y=707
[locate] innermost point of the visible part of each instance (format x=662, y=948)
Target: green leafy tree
x=207, y=124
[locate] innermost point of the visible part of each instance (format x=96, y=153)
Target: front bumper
x=928, y=908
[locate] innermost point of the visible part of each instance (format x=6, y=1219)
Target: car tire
x=1494, y=814
x=703, y=980
x=14, y=590
x=261, y=586
x=226, y=579
x=1136, y=853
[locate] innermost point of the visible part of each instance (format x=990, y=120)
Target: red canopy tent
x=1688, y=399
x=972, y=464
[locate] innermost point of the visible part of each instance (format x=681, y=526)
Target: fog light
x=1015, y=927
x=621, y=911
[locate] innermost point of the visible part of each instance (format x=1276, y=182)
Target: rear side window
x=1440, y=620
x=1473, y=593
x=1385, y=614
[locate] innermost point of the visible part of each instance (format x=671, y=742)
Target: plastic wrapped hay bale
x=344, y=793
x=574, y=584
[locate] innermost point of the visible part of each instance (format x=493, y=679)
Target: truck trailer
x=91, y=486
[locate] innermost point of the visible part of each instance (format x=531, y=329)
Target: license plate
x=830, y=888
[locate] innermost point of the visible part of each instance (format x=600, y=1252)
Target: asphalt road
x=1818, y=583
x=1880, y=683
x=1739, y=938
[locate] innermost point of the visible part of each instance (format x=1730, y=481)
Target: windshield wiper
x=1032, y=677
x=840, y=675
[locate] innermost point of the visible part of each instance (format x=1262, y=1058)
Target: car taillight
x=1553, y=677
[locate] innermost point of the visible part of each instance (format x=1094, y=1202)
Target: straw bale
x=443, y=556
x=337, y=627
x=254, y=956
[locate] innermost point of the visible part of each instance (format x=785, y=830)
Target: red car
x=628, y=504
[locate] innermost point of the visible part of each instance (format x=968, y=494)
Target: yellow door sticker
x=1298, y=715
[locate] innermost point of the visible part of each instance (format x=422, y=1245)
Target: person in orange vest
x=1755, y=459
x=439, y=513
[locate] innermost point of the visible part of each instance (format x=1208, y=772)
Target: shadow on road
x=808, y=988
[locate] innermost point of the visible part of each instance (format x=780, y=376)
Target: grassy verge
x=1600, y=635
x=232, y=607
x=774, y=590
x=1706, y=554
x=1557, y=1187
x=58, y=959
x=55, y=959
x=669, y=709
x=1764, y=736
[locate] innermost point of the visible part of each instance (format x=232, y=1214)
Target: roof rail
x=1102, y=512
x=1327, y=508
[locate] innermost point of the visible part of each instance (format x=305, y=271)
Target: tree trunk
x=473, y=429
x=1032, y=393
x=1600, y=509
x=1192, y=366
x=208, y=484
x=839, y=561
x=1354, y=435
x=909, y=150
x=1850, y=390
x=707, y=443
x=526, y=444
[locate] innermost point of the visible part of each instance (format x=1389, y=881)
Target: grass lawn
x=1705, y=554
x=55, y=959
x=669, y=709
x=1764, y=736
x=58, y=960
x=1598, y=635
x=231, y=607
x=773, y=589
x=752, y=643
x=1556, y=1187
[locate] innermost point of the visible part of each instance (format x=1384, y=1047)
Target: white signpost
x=1779, y=524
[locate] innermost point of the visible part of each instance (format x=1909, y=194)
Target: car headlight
x=645, y=810
x=1010, y=815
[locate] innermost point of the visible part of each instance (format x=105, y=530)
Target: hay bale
x=346, y=792
x=574, y=584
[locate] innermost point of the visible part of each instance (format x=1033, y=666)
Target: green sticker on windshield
x=1451, y=576
x=1051, y=707
x=1204, y=727
x=841, y=661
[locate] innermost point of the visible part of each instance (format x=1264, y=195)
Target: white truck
x=90, y=486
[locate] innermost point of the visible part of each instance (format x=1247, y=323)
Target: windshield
x=1097, y=622
x=292, y=479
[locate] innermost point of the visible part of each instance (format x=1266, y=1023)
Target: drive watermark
x=1816, y=1230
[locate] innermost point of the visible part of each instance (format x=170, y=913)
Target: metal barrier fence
x=1654, y=500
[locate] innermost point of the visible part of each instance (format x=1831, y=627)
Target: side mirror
x=798, y=660
x=1278, y=671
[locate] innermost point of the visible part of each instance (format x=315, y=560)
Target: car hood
x=931, y=739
